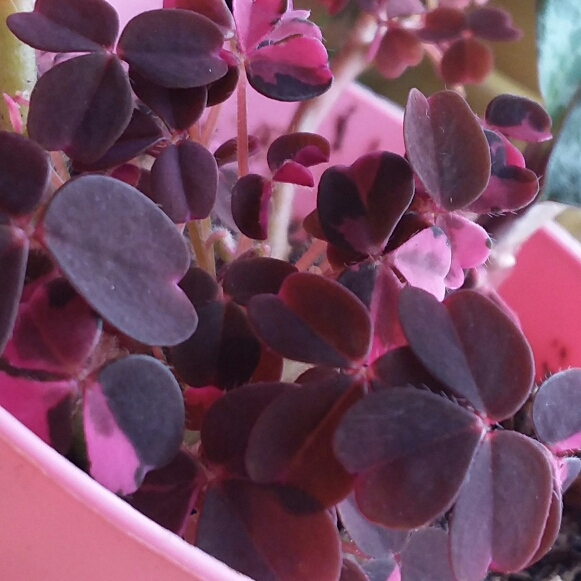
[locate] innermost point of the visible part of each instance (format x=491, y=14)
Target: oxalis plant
x=144, y=325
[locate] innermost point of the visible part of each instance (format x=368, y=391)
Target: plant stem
x=197, y=230
x=18, y=72
x=242, y=121
x=210, y=124
x=347, y=65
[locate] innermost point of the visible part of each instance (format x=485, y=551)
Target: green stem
x=18, y=71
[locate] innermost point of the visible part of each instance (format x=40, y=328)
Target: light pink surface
x=544, y=289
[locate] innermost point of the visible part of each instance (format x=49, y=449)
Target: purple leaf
x=398, y=50
x=467, y=60
x=133, y=417
x=442, y=24
x=351, y=571
x=492, y=23
x=178, y=108
x=359, y=206
x=301, y=322
x=382, y=570
x=24, y=174
x=266, y=541
x=556, y=414
x=425, y=557
x=293, y=69
x=67, y=25
x=511, y=185
x=224, y=87
x=424, y=260
x=569, y=469
x=200, y=287
x=81, y=106
x=250, y=197
x=461, y=348
x=291, y=442
x=470, y=246
x=167, y=495
x=44, y=407
x=373, y=539
x=215, y=10
x=227, y=152
x=56, y=331
x=289, y=155
x=184, y=181
x=411, y=451
x=442, y=133
x=13, y=253
x=246, y=278
x=86, y=224
x=142, y=133
x=519, y=118
x=177, y=49
x=222, y=352
x=229, y=421
x=254, y=20
x=500, y=515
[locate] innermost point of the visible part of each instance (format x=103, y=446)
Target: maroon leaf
x=351, y=571
x=215, y=10
x=411, y=451
x=24, y=174
x=222, y=352
x=293, y=69
x=442, y=24
x=177, y=49
x=133, y=417
x=86, y=224
x=56, y=331
x=197, y=401
x=372, y=538
x=228, y=151
x=519, y=118
x=13, y=253
x=142, y=133
x=466, y=61
x=301, y=322
x=472, y=347
x=81, y=106
x=67, y=25
x=359, y=206
x=184, y=181
x=291, y=442
x=253, y=276
x=228, y=423
x=290, y=155
x=265, y=540
x=200, y=287
x=178, y=108
x=250, y=197
x=220, y=90
x=440, y=133
x=492, y=23
x=500, y=515
x=425, y=557
x=556, y=414
x=167, y=495
x=44, y=407
x=398, y=50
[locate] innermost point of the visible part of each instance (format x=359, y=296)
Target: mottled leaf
x=133, y=417
x=446, y=148
x=359, y=206
x=123, y=255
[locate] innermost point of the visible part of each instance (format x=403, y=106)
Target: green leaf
x=559, y=53
x=563, y=174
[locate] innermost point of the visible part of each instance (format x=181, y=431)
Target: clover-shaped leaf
x=123, y=255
